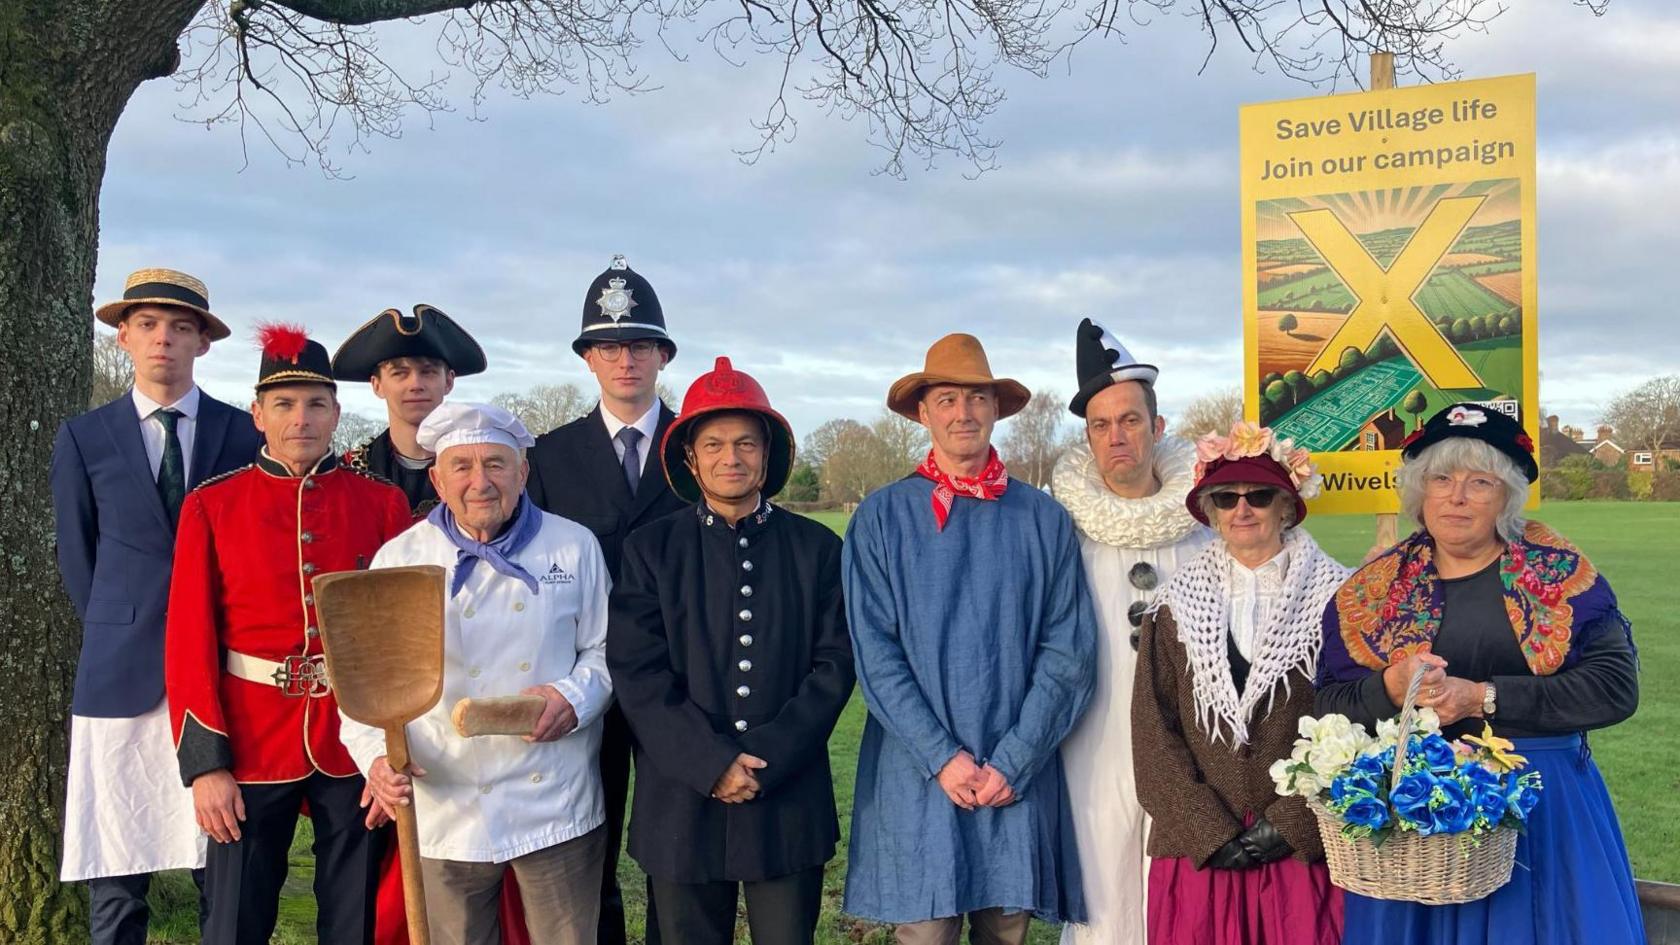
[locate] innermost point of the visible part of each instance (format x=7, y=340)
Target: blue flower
x=1411, y=797
x=1480, y=777
x=1491, y=803
x=1450, y=809
x=1438, y=754
x=1373, y=767
x=1367, y=811
x=1352, y=785
x=1522, y=798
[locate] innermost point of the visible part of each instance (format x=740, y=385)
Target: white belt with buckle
x=295, y=675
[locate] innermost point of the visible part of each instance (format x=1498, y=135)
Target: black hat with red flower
x=1477, y=422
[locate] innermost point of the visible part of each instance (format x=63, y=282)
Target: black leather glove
x=1231, y=856
x=1263, y=843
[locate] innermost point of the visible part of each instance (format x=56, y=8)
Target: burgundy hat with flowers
x=1253, y=454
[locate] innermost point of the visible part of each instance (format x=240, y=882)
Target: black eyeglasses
x=1144, y=577
x=613, y=350
x=1257, y=499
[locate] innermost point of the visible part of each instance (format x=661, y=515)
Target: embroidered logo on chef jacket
x=556, y=575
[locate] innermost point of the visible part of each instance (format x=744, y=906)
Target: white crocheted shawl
x=1102, y=516
x=1199, y=596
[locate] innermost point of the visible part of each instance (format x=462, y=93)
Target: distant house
x=1648, y=461
x=1384, y=431
x=1602, y=447
x=1556, y=444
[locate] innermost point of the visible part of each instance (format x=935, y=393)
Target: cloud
x=1115, y=197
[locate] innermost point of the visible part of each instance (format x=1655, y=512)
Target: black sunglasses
x=1257, y=499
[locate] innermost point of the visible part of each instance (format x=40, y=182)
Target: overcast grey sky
x=1115, y=197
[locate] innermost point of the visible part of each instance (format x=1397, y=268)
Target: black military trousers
x=780, y=911
x=243, y=878
x=118, y=912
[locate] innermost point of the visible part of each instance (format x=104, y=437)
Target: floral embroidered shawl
x=1391, y=607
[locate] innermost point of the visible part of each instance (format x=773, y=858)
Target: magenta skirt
x=1282, y=903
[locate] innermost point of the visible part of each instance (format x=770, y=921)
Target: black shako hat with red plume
x=290, y=357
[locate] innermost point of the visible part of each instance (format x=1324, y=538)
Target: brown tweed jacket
x=1198, y=791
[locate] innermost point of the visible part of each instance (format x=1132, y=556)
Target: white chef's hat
x=463, y=424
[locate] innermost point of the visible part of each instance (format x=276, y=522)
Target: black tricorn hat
x=290, y=357
x=1477, y=422
x=1102, y=361
x=428, y=333
x=621, y=306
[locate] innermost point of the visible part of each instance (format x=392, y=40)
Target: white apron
x=125, y=809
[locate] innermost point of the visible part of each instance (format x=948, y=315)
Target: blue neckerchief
x=527, y=521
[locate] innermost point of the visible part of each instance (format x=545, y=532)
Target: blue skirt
x=1571, y=883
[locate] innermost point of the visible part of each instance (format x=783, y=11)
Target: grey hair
x=1204, y=501
x=1462, y=454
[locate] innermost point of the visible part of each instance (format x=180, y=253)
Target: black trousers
x=243, y=878
x=780, y=911
x=118, y=911
x=616, y=745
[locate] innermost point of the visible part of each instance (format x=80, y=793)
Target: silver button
x=742, y=542
x=309, y=567
x=474, y=672
x=743, y=691
x=484, y=789
x=518, y=605
x=309, y=483
x=311, y=632
x=740, y=725
x=536, y=779
x=709, y=520
x=745, y=665
x=306, y=537
x=524, y=667
x=746, y=639
x=746, y=590
x=746, y=616
x=468, y=612
x=746, y=565
x=309, y=600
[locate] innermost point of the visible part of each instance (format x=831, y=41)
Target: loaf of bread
x=497, y=715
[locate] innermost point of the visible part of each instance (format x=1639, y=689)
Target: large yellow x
x=1385, y=295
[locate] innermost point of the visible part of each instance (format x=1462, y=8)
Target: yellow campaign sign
x=1388, y=270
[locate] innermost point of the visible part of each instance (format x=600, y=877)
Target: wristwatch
x=1488, y=704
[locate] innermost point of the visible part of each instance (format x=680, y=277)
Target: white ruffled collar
x=1102, y=516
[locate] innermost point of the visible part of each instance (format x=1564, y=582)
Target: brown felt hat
x=164, y=287
x=955, y=359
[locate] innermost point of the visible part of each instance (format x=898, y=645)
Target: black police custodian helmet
x=622, y=306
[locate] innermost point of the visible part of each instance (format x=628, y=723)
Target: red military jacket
x=247, y=550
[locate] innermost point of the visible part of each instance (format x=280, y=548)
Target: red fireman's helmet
x=725, y=389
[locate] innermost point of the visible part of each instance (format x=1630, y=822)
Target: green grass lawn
x=1634, y=544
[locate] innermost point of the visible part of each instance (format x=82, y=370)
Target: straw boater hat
x=164, y=287
x=955, y=359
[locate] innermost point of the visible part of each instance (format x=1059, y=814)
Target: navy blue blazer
x=116, y=544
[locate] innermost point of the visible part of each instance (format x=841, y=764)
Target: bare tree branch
x=920, y=75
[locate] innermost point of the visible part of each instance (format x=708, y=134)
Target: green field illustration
x=1328, y=394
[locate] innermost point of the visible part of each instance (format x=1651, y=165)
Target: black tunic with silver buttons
x=724, y=640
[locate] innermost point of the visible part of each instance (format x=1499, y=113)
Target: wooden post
x=1382, y=77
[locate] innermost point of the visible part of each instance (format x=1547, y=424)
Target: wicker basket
x=1437, y=870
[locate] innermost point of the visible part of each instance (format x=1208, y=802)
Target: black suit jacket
x=725, y=640
x=116, y=544
x=576, y=474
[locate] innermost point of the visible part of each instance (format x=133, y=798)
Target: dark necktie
x=172, y=472
x=629, y=437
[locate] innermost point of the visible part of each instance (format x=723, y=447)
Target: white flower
x=1426, y=722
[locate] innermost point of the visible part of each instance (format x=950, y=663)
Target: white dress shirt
x=1254, y=598
x=648, y=423
x=151, y=429
x=492, y=798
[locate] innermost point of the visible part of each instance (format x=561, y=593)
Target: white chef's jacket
x=492, y=798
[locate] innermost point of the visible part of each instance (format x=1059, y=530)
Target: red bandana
x=988, y=485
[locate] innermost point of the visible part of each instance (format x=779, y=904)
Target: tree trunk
x=66, y=71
